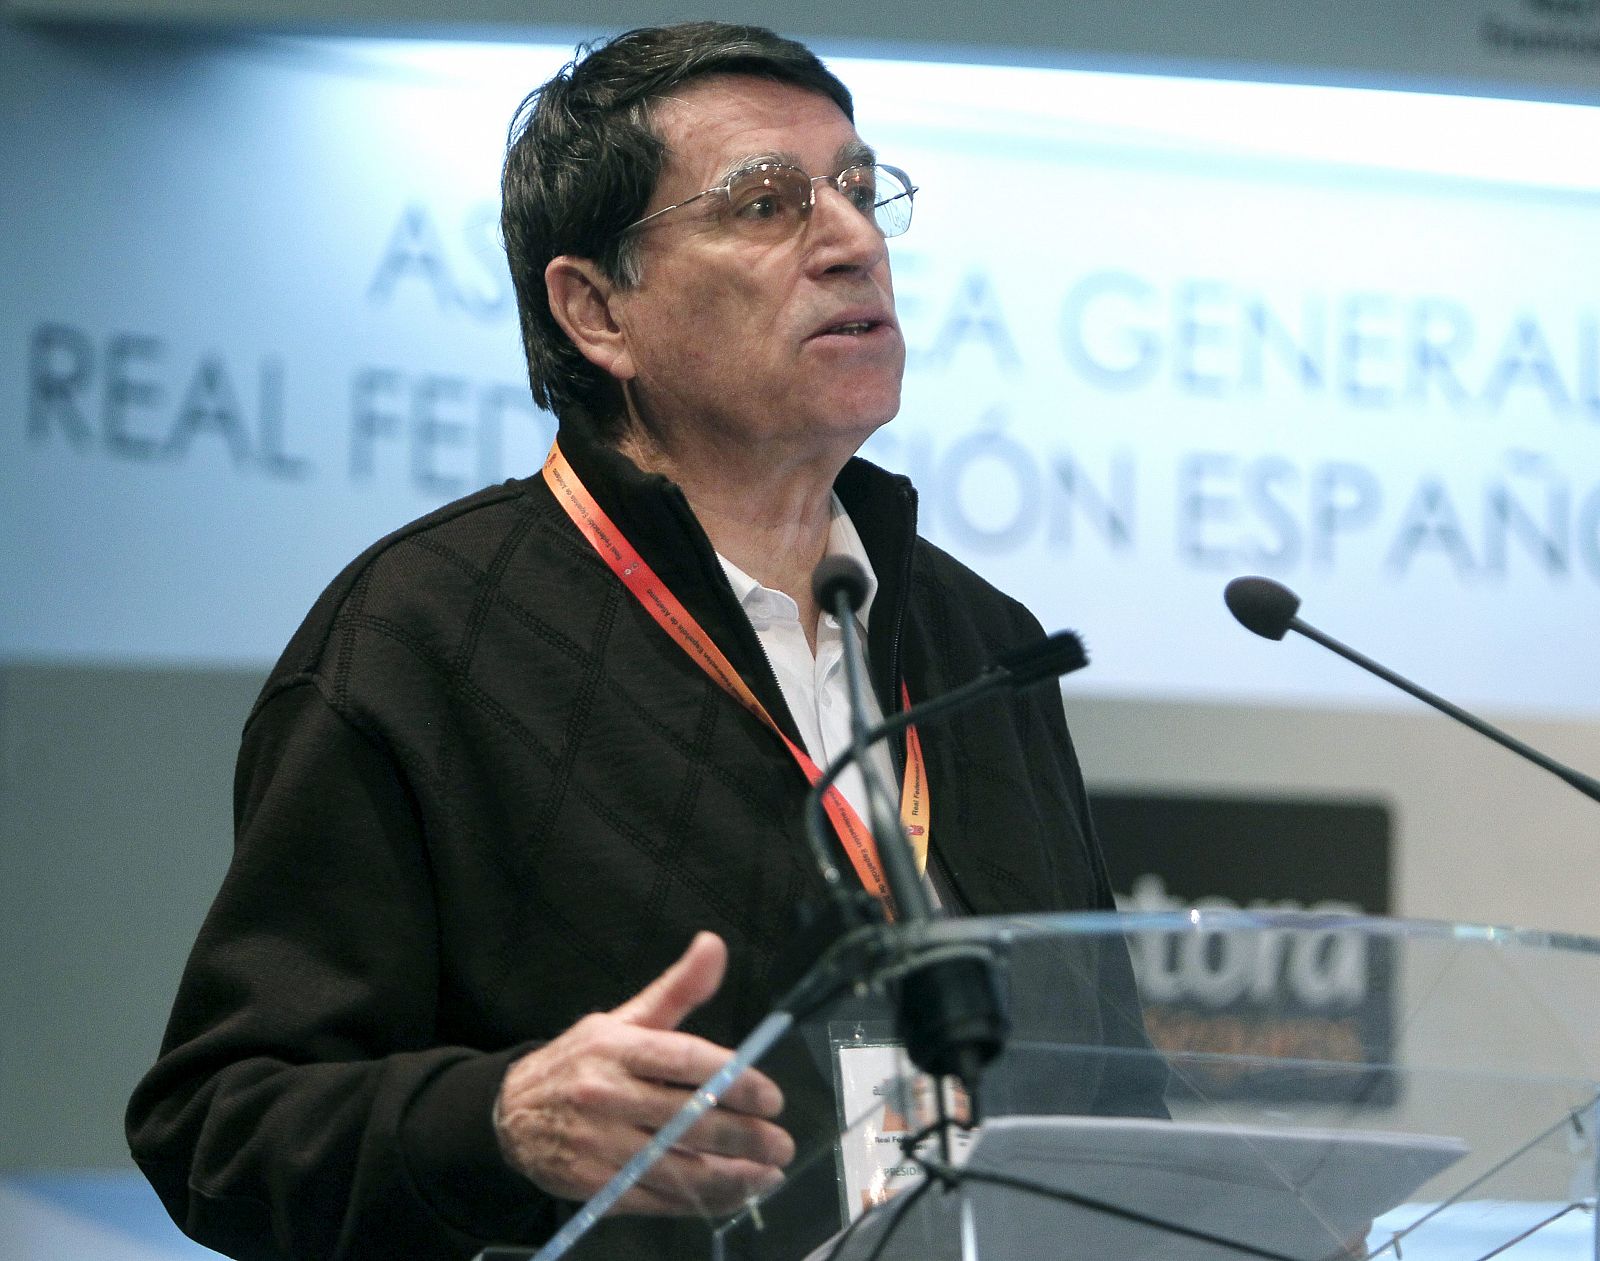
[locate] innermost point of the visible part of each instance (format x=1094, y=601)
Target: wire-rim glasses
x=772, y=199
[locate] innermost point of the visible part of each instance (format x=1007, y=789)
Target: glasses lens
x=768, y=198
x=881, y=192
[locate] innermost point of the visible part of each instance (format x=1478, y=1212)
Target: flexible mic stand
x=1270, y=609
x=947, y=1002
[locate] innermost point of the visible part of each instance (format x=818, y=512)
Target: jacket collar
x=655, y=516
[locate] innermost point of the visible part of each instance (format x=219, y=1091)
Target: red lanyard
x=677, y=621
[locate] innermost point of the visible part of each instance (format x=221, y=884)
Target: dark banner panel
x=1319, y=997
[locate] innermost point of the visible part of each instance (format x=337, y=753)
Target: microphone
x=1269, y=609
x=947, y=1004
x=839, y=576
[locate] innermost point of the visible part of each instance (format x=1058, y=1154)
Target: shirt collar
x=843, y=540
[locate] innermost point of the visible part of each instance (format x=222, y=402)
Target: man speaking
x=519, y=811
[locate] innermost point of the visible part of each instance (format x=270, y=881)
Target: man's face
x=732, y=335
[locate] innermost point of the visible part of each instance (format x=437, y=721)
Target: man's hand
x=571, y=1113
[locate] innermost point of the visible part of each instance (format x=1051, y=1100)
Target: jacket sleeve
x=302, y=1107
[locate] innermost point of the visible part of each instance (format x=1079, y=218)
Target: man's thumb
x=691, y=981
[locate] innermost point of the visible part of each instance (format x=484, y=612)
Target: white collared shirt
x=816, y=689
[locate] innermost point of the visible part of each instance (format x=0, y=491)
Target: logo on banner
x=1233, y=1008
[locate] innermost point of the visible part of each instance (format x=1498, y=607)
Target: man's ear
x=580, y=299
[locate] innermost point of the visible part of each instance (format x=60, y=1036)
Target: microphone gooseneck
x=1016, y=669
x=948, y=1007
x=840, y=586
x=1270, y=610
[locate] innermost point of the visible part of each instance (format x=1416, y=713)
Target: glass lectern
x=1183, y=1087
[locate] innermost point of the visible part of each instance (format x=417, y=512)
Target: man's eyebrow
x=851, y=153
x=854, y=153
x=775, y=157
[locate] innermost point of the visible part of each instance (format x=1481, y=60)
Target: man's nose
x=839, y=235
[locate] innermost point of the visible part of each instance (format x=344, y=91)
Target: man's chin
x=867, y=420
x=873, y=404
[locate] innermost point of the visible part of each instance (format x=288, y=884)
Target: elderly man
x=519, y=830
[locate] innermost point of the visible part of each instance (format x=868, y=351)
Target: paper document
x=1294, y=1192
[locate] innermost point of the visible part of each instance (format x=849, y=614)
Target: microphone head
x=1262, y=605
x=1049, y=658
x=838, y=575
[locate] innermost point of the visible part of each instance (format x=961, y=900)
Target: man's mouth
x=851, y=328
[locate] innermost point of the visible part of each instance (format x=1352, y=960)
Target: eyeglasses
x=772, y=199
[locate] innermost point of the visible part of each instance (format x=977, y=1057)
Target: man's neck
x=768, y=517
